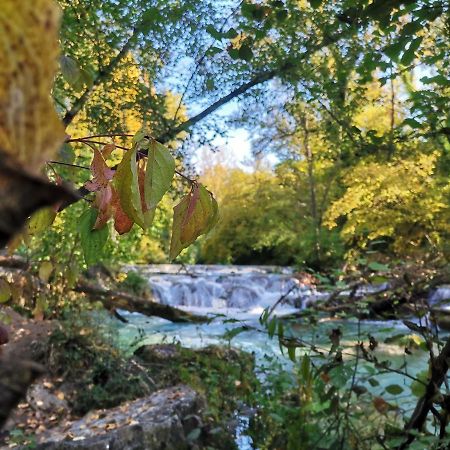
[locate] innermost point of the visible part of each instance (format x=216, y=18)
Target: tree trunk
x=312, y=189
x=121, y=300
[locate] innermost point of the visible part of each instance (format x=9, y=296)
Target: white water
x=237, y=291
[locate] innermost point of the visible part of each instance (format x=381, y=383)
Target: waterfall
x=440, y=297
x=224, y=289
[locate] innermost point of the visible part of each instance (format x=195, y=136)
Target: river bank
x=377, y=363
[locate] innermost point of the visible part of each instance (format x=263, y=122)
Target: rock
x=161, y=421
x=41, y=398
x=158, y=352
x=172, y=352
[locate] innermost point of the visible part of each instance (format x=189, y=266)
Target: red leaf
x=193, y=199
x=122, y=223
x=101, y=173
x=103, y=202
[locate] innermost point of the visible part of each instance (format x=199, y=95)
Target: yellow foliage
x=400, y=200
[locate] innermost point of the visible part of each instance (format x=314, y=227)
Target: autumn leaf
x=30, y=130
x=195, y=215
x=200, y=216
x=103, y=203
x=100, y=183
x=45, y=270
x=101, y=173
x=127, y=187
x=122, y=223
x=5, y=291
x=41, y=220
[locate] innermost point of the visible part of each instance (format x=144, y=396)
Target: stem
x=88, y=141
x=101, y=135
x=68, y=165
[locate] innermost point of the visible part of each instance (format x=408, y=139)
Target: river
x=236, y=295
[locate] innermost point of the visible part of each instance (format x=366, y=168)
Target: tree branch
x=439, y=368
x=258, y=79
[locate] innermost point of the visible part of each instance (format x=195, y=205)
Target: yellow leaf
x=30, y=130
x=5, y=291
x=45, y=270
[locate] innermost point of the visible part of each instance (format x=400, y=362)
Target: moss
x=98, y=374
x=225, y=376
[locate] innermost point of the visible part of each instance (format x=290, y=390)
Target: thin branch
x=88, y=141
x=101, y=135
x=68, y=165
x=258, y=79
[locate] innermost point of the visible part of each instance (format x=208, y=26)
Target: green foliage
x=136, y=283
x=224, y=375
x=101, y=376
x=92, y=241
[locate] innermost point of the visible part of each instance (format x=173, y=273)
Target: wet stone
x=156, y=422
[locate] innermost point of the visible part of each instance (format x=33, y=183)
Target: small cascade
x=440, y=297
x=222, y=289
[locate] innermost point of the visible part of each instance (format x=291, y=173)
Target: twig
x=68, y=165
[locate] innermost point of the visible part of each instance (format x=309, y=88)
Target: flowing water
x=241, y=294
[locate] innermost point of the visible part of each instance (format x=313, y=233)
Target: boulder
x=161, y=421
x=41, y=398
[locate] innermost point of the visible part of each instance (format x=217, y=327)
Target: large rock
x=161, y=421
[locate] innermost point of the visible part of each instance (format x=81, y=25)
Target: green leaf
x=378, y=267
x=245, y=52
x=340, y=375
x=92, y=241
x=209, y=84
x=230, y=334
x=394, y=50
x=41, y=220
x=70, y=70
x=87, y=77
x=410, y=54
x=413, y=123
x=213, y=32
x=441, y=80
x=194, y=434
x=149, y=19
x=418, y=388
x=5, y=291
x=213, y=51
x=291, y=352
x=305, y=368
x=233, y=52
x=66, y=154
x=315, y=3
x=394, y=389
x=159, y=174
x=195, y=215
x=231, y=33
x=127, y=186
x=271, y=327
